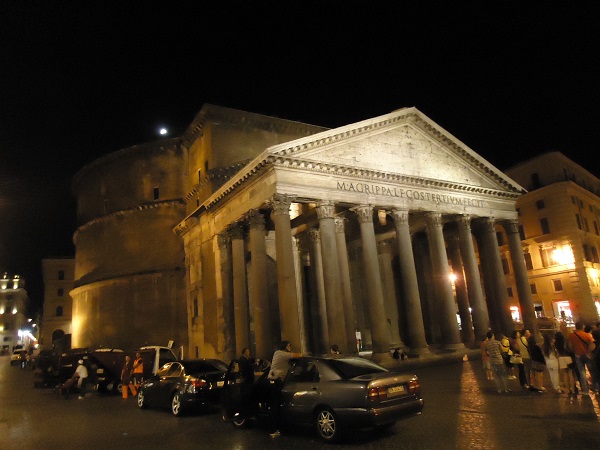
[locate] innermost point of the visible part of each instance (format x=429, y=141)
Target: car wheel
x=141, y=400
x=328, y=426
x=176, y=406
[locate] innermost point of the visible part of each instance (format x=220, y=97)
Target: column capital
x=256, y=219
x=223, y=240
x=325, y=210
x=400, y=216
x=314, y=235
x=486, y=224
x=364, y=213
x=511, y=226
x=464, y=221
x=236, y=230
x=340, y=224
x=280, y=204
x=434, y=219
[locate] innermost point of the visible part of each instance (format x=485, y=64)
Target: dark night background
x=81, y=79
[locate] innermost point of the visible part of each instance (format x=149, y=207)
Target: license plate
x=220, y=383
x=396, y=390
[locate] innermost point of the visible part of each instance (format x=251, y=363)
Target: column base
x=419, y=352
x=458, y=346
x=381, y=357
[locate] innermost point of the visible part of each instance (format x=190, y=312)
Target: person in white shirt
x=81, y=374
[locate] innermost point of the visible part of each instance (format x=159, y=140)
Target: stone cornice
x=220, y=173
x=127, y=212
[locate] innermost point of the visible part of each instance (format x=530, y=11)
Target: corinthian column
x=468, y=337
x=409, y=285
x=518, y=263
x=286, y=273
x=225, y=312
x=495, y=276
x=318, y=313
x=479, y=311
x=240, y=289
x=346, y=284
x=379, y=332
x=441, y=273
x=331, y=274
x=259, y=291
x=389, y=293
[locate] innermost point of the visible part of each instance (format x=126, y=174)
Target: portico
x=353, y=232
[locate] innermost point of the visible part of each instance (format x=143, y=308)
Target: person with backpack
x=582, y=344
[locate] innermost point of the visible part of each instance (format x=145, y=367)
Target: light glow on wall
x=563, y=254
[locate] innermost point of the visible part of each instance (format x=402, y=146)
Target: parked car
x=18, y=357
x=331, y=393
x=184, y=385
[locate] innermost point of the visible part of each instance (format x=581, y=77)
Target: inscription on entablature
x=409, y=194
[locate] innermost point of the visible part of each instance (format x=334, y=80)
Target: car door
x=168, y=381
x=301, y=391
x=152, y=386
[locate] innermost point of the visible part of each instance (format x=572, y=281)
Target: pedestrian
x=565, y=373
x=126, y=377
x=280, y=365
x=596, y=360
x=81, y=373
x=246, y=371
x=551, y=356
x=525, y=356
x=137, y=374
x=334, y=349
x=485, y=359
x=582, y=344
x=494, y=351
x=538, y=365
x=514, y=345
x=506, y=354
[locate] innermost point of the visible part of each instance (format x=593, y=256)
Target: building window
x=509, y=291
x=505, y=267
x=533, y=288
x=156, y=193
x=545, y=225
x=60, y=292
x=557, y=285
x=573, y=200
x=59, y=311
x=199, y=176
x=586, y=226
x=500, y=238
x=522, y=232
x=586, y=252
x=61, y=274
x=519, y=212
x=578, y=221
x=596, y=228
x=594, y=253
x=528, y=262
x=195, y=307
x=540, y=204
x=591, y=208
x=206, y=166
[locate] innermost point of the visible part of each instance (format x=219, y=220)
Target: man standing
x=582, y=344
x=525, y=356
x=126, y=377
x=494, y=351
x=137, y=373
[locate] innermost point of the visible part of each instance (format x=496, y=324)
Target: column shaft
x=441, y=273
x=318, y=311
x=468, y=337
x=226, y=315
x=347, y=298
x=389, y=294
x=240, y=290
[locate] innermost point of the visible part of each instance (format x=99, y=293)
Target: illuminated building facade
x=58, y=276
x=344, y=236
x=559, y=225
x=13, y=298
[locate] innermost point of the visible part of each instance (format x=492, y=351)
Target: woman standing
x=514, y=346
x=565, y=374
x=551, y=356
x=538, y=365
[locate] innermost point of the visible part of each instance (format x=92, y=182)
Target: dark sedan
x=331, y=393
x=184, y=385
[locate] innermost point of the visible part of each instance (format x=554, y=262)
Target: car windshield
x=194, y=367
x=354, y=367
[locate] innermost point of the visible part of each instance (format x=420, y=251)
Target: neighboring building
x=332, y=236
x=58, y=274
x=129, y=283
x=559, y=224
x=13, y=322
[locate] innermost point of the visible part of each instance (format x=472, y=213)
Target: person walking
x=485, y=359
x=582, y=344
x=126, y=377
x=280, y=365
x=514, y=345
x=494, y=351
x=565, y=374
x=81, y=373
x=506, y=354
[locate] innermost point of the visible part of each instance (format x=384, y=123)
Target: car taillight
x=198, y=382
x=377, y=394
x=413, y=386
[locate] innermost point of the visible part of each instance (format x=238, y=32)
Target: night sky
x=81, y=79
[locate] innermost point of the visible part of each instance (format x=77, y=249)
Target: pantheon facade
x=375, y=235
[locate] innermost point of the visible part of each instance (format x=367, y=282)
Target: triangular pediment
x=404, y=143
